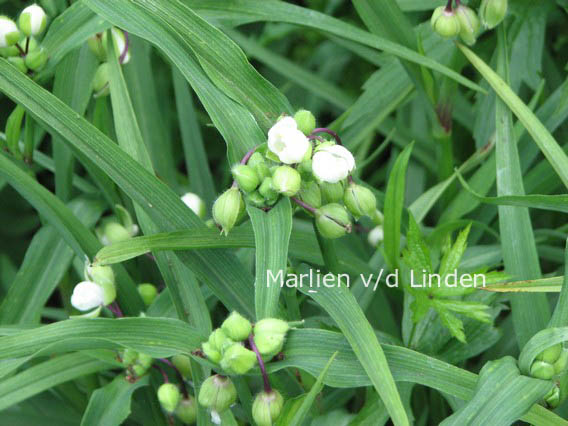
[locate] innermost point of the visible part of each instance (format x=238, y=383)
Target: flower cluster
x=97, y=290
x=549, y=364
x=297, y=162
x=98, y=45
x=463, y=21
x=19, y=44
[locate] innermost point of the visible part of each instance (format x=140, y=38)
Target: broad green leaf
x=110, y=404
x=560, y=314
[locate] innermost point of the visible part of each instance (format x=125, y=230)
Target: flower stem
x=178, y=374
x=22, y=51
x=267, y=387
x=248, y=155
x=27, y=45
x=449, y=5
x=164, y=375
x=329, y=132
x=115, y=309
x=304, y=205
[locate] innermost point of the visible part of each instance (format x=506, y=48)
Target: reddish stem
x=267, y=387
x=164, y=375
x=304, y=205
x=115, y=309
x=449, y=5
x=178, y=374
x=248, y=155
x=329, y=132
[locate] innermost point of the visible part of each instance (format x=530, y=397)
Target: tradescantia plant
x=264, y=213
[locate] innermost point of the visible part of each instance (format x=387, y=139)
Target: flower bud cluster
x=136, y=363
x=450, y=22
x=97, y=290
x=98, y=45
x=549, y=364
x=18, y=42
x=313, y=171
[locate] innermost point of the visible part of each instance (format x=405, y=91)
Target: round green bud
x=186, y=411
x=286, y=180
x=552, y=398
x=256, y=199
x=219, y=340
x=183, y=364
x=492, y=12
x=332, y=192
x=255, y=159
x=144, y=360
x=377, y=217
x=169, y=397
x=267, y=189
x=269, y=335
x=246, y=177
x=445, y=22
x=148, y=292
x=469, y=24
x=33, y=20
x=95, y=44
x=360, y=201
x=267, y=407
x=561, y=364
x=128, y=357
x=139, y=370
x=9, y=32
x=236, y=326
x=262, y=170
x=237, y=359
x=227, y=209
x=211, y=352
x=217, y=393
x=36, y=60
x=305, y=120
x=332, y=220
x=310, y=193
x=101, y=80
x=9, y=51
x=113, y=232
x=550, y=354
x=542, y=370
x=271, y=325
x=19, y=63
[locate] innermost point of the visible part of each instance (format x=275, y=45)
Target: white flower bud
x=332, y=163
x=86, y=296
x=287, y=142
x=9, y=33
x=33, y=20
x=376, y=235
x=195, y=203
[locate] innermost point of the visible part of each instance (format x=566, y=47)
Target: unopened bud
x=33, y=20
x=101, y=80
x=148, y=292
x=310, y=193
x=542, y=370
x=376, y=235
x=183, y=364
x=87, y=295
x=227, y=209
x=36, y=60
x=445, y=22
x=9, y=33
x=267, y=407
x=286, y=180
x=217, y=393
x=332, y=192
x=492, y=12
x=19, y=63
x=469, y=24
x=561, y=364
x=360, y=201
x=103, y=276
x=552, y=398
x=9, y=51
x=169, y=397
x=256, y=199
x=236, y=327
x=211, y=352
x=267, y=189
x=550, y=354
x=186, y=411
x=120, y=45
x=128, y=357
x=269, y=334
x=332, y=220
x=306, y=121
x=237, y=359
x=246, y=177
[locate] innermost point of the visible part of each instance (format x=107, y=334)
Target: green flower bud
x=445, y=22
x=262, y=170
x=103, y=276
x=112, y=232
x=186, y=411
x=9, y=32
x=183, y=364
x=148, y=292
x=305, y=169
x=306, y=121
x=33, y=20
x=561, y=364
x=237, y=359
x=217, y=393
x=542, y=370
x=211, y=352
x=139, y=370
x=492, y=12
x=332, y=220
x=360, y=201
x=169, y=397
x=310, y=193
x=550, y=354
x=144, y=360
x=269, y=334
x=377, y=217
x=119, y=40
x=552, y=398
x=267, y=407
x=19, y=63
x=101, y=80
x=332, y=192
x=129, y=357
x=256, y=199
x=469, y=24
x=36, y=60
x=95, y=44
x=255, y=159
x=219, y=340
x=267, y=189
x=9, y=51
x=246, y=177
x=286, y=180
x=236, y=326
x=227, y=209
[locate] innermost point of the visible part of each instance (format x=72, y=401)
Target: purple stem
x=267, y=387
x=164, y=375
x=27, y=45
x=304, y=205
x=178, y=374
x=449, y=5
x=115, y=309
x=125, y=50
x=329, y=132
x=248, y=155
x=22, y=52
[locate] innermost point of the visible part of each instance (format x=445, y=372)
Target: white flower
x=33, y=20
x=87, y=295
x=332, y=163
x=287, y=142
x=376, y=235
x=195, y=203
x=120, y=43
x=9, y=32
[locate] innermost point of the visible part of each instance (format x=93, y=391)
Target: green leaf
x=110, y=404
x=544, y=285
x=272, y=234
x=451, y=260
x=560, y=314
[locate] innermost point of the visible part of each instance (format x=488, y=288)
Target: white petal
x=87, y=295
x=376, y=235
x=344, y=153
x=37, y=15
x=329, y=168
x=7, y=26
x=194, y=202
